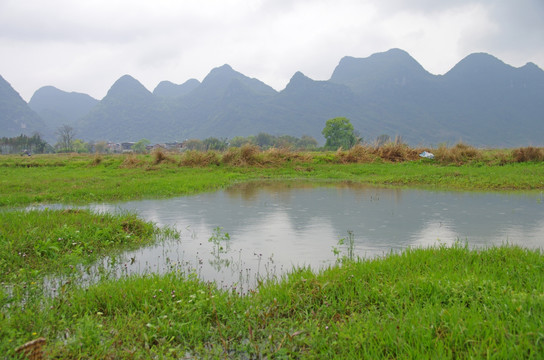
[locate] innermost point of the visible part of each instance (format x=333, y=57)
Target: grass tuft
x=197, y=158
x=131, y=161
x=459, y=154
x=396, y=152
x=97, y=159
x=529, y=153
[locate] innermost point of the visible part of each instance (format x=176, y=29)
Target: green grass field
x=90, y=178
x=438, y=302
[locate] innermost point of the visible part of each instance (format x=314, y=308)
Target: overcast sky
x=85, y=46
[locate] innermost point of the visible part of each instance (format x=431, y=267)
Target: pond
x=260, y=230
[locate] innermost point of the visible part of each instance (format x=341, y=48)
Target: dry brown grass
x=391, y=152
x=279, y=156
x=252, y=155
x=197, y=158
x=160, y=156
x=529, y=153
x=357, y=154
x=131, y=161
x=97, y=159
x=396, y=152
x=459, y=154
x=246, y=155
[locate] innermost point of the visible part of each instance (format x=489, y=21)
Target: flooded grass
x=438, y=302
x=33, y=242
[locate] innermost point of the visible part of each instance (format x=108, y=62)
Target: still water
x=261, y=230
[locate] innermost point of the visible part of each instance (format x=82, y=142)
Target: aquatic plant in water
x=349, y=243
x=221, y=246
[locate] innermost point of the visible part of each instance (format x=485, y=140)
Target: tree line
x=24, y=144
x=338, y=132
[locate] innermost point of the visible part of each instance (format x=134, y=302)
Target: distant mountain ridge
x=57, y=107
x=16, y=117
x=481, y=101
x=171, y=90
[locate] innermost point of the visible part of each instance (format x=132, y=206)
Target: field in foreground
x=435, y=303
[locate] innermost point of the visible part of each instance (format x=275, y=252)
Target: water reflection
x=274, y=226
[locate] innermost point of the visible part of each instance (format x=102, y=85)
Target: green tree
x=140, y=146
x=101, y=147
x=80, y=146
x=239, y=141
x=339, y=132
x=194, y=144
x=285, y=141
x=213, y=143
x=307, y=142
x=264, y=140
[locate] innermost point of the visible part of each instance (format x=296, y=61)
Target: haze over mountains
x=481, y=101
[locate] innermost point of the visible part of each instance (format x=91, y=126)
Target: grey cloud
x=422, y=6
x=519, y=28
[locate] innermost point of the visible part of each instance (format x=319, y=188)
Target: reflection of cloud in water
x=276, y=234
x=531, y=237
x=435, y=233
x=300, y=224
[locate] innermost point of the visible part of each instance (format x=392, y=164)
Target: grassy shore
x=95, y=178
x=422, y=303
x=36, y=242
x=425, y=303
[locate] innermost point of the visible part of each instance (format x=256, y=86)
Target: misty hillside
x=57, y=107
x=170, y=90
x=481, y=101
x=16, y=117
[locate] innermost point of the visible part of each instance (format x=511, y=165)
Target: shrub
x=529, y=153
x=131, y=161
x=396, y=152
x=97, y=159
x=278, y=156
x=357, y=154
x=249, y=154
x=459, y=154
x=198, y=158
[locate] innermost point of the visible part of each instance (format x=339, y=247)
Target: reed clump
x=197, y=158
x=161, y=156
x=459, y=154
x=131, y=161
x=279, y=156
x=97, y=159
x=246, y=155
x=357, y=154
x=396, y=152
x=249, y=154
x=529, y=153
x=390, y=152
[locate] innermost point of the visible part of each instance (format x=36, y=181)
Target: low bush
x=529, y=153
x=197, y=158
x=396, y=152
x=459, y=154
